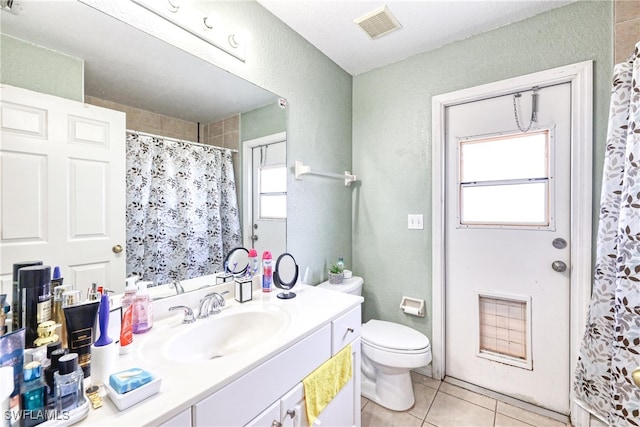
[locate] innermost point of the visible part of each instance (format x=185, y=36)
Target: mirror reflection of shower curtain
x=182, y=209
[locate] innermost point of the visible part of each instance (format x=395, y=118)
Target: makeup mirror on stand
x=285, y=275
x=237, y=262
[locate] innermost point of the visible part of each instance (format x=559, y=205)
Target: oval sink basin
x=224, y=334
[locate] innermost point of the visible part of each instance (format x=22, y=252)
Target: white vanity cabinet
x=274, y=391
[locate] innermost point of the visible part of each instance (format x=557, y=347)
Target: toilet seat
x=393, y=337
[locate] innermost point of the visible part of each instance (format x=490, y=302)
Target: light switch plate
x=415, y=222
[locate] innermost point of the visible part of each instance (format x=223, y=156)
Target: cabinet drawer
x=345, y=329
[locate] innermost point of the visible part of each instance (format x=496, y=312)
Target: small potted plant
x=335, y=274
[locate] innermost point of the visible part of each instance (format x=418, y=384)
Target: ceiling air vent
x=378, y=22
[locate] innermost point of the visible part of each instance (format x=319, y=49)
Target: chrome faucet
x=204, y=307
x=177, y=286
x=211, y=303
x=217, y=302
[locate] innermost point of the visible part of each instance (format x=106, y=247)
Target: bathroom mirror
x=126, y=67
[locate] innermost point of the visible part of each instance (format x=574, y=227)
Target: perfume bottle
x=68, y=383
x=48, y=376
x=32, y=396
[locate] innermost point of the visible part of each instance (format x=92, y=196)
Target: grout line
x=509, y=400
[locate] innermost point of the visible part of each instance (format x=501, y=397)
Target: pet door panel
x=504, y=331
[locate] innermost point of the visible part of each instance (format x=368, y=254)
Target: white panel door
x=507, y=207
x=267, y=191
x=62, y=188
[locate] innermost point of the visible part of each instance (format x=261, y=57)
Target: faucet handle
x=188, y=313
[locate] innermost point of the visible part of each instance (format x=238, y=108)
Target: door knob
x=559, y=266
x=117, y=249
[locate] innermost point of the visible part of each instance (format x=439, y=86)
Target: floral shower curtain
x=611, y=344
x=182, y=209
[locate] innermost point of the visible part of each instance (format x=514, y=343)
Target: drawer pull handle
x=291, y=413
x=350, y=330
x=276, y=423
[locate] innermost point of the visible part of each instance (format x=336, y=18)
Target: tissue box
x=243, y=290
x=125, y=381
x=223, y=278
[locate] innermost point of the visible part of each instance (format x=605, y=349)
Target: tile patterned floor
x=440, y=404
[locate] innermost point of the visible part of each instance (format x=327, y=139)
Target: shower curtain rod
x=180, y=140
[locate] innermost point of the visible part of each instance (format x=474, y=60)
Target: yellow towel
x=323, y=384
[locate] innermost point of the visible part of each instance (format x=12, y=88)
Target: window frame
x=549, y=180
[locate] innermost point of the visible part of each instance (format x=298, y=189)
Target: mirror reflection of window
x=273, y=192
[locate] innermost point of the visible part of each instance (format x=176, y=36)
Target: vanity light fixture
x=209, y=27
x=235, y=40
x=173, y=5
x=13, y=6
x=212, y=20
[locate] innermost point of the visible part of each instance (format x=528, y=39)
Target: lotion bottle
x=142, y=310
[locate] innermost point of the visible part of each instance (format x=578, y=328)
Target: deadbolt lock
x=559, y=243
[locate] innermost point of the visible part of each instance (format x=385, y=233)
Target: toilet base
x=392, y=391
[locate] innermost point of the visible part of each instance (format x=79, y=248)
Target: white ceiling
x=426, y=25
x=125, y=65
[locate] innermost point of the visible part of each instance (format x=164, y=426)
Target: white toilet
x=389, y=352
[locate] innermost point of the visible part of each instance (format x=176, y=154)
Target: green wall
x=33, y=67
x=262, y=122
x=392, y=138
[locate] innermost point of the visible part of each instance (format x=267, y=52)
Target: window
x=505, y=180
x=273, y=192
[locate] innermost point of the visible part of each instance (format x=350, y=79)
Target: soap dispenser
x=126, y=329
x=142, y=310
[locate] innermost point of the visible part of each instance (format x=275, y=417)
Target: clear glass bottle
x=48, y=376
x=68, y=383
x=33, y=393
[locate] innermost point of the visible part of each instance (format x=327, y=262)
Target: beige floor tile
x=450, y=411
x=504, y=421
x=424, y=397
x=527, y=416
x=363, y=401
x=429, y=382
x=469, y=396
x=376, y=416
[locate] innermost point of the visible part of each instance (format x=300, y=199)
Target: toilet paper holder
x=413, y=306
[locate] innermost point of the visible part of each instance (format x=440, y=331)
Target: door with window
x=266, y=204
x=507, y=235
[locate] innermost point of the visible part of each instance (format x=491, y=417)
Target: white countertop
x=184, y=384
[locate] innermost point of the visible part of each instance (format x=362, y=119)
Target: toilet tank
x=352, y=285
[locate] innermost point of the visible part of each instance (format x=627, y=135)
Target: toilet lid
x=393, y=336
